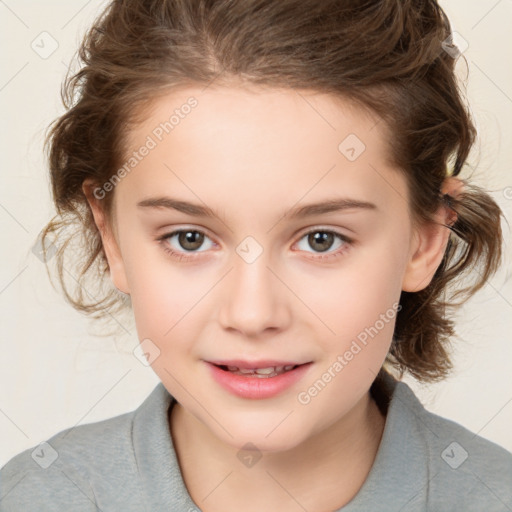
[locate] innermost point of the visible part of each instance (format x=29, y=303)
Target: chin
x=276, y=438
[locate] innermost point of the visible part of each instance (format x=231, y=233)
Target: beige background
x=54, y=373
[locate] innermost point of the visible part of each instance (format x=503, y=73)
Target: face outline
x=264, y=154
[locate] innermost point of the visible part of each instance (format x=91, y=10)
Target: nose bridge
x=252, y=302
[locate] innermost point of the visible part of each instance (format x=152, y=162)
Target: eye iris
x=320, y=237
x=190, y=237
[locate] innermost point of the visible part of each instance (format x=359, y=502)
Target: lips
x=257, y=379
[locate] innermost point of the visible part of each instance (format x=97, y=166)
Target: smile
x=262, y=373
x=258, y=382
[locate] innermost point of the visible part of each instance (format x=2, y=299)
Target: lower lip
x=256, y=387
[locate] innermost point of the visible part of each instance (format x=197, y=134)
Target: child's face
x=256, y=287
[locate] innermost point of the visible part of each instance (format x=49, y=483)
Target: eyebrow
x=197, y=210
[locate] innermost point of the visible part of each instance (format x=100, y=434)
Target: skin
x=251, y=156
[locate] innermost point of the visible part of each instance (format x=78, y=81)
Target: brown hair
x=386, y=55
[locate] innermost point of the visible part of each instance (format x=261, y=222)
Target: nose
x=254, y=299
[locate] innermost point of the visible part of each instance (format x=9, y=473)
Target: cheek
x=165, y=298
x=361, y=311
x=359, y=304
x=347, y=299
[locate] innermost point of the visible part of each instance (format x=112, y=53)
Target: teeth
x=244, y=370
x=270, y=371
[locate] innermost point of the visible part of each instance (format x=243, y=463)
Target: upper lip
x=265, y=363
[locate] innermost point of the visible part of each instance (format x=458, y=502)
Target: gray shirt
x=127, y=463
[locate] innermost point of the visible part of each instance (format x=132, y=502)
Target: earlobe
x=110, y=244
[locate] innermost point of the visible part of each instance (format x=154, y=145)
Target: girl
x=272, y=188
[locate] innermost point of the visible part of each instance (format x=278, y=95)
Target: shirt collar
x=162, y=483
x=399, y=471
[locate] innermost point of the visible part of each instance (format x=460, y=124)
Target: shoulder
x=62, y=468
x=78, y=467
x=464, y=470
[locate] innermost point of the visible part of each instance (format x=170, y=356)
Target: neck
x=323, y=473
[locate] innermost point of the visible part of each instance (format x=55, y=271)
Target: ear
x=429, y=242
x=110, y=244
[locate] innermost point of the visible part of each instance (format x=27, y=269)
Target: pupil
x=320, y=238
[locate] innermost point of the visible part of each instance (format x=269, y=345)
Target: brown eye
x=320, y=240
x=183, y=241
x=190, y=240
x=325, y=241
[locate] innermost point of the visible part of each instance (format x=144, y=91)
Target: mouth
x=259, y=372
x=258, y=379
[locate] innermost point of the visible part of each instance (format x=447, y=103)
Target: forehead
x=287, y=115
x=241, y=145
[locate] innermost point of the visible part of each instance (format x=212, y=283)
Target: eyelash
x=347, y=242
